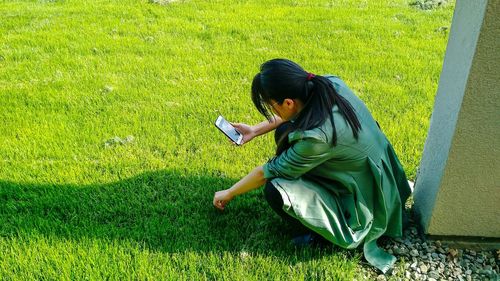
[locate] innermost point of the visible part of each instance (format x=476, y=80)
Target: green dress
x=351, y=193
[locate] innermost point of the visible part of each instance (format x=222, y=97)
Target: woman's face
x=287, y=109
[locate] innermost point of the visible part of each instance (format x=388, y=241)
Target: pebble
x=489, y=273
x=423, y=269
x=433, y=274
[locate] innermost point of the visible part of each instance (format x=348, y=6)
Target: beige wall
x=457, y=192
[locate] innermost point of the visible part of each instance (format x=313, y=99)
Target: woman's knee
x=273, y=196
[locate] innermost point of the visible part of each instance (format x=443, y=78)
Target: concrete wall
x=457, y=192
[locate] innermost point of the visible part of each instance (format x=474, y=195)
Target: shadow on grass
x=165, y=211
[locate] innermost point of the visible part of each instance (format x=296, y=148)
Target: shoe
x=309, y=239
x=303, y=240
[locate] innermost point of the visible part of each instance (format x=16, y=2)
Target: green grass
x=74, y=74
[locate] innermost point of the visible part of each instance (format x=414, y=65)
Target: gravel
x=422, y=259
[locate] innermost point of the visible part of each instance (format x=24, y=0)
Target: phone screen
x=228, y=129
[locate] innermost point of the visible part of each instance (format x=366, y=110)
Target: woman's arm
x=267, y=126
x=250, y=182
x=250, y=132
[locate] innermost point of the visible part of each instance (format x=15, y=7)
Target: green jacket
x=351, y=193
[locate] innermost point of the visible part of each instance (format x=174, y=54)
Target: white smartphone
x=229, y=130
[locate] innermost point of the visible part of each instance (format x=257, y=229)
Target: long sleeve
x=301, y=157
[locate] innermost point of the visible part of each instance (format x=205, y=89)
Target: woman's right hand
x=247, y=131
x=222, y=198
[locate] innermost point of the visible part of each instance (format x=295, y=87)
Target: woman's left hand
x=221, y=198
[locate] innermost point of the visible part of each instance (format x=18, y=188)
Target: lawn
x=108, y=154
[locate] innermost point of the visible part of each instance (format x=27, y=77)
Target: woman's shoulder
x=337, y=83
x=322, y=134
x=342, y=89
x=334, y=78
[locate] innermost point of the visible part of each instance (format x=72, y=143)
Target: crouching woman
x=335, y=175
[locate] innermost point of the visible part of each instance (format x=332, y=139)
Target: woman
x=335, y=174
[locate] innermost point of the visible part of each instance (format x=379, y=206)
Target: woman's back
x=349, y=153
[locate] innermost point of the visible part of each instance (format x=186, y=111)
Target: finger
x=223, y=205
x=220, y=205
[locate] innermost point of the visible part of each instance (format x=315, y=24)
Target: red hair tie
x=310, y=76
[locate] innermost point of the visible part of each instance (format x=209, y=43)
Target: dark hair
x=280, y=79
